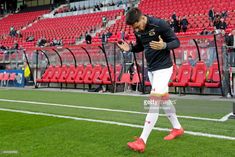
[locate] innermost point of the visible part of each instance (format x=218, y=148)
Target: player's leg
x=151, y=119
x=153, y=113
x=163, y=77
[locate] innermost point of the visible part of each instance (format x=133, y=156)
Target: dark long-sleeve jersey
x=156, y=59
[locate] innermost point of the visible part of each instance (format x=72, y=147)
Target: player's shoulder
x=156, y=21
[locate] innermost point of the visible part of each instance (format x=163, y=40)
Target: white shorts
x=159, y=80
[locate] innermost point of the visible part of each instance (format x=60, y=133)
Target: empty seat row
x=198, y=76
x=81, y=74
x=185, y=76
x=7, y=77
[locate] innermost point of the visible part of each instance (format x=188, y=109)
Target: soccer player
x=155, y=37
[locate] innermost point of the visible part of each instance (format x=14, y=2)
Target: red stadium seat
x=47, y=75
x=173, y=76
x=4, y=77
x=199, y=75
x=125, y=79
x=106, y=75
x=11, y=78
x=83, y=75
x=213, y=80
x=63, y=74
x=147, y=83
x=95, y=73
x=136, y=80
x=1, y=77
x=118, y=72
x=56, y=76
x=73, y=72
x=184, y=75
x=99, y=79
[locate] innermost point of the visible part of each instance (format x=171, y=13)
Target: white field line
x=115, y=123
x=224, y=118
x=104, y=109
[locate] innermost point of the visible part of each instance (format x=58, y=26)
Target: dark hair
x=133, y=16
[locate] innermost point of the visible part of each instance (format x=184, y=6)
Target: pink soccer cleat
x=138, y=145
x=174, y=133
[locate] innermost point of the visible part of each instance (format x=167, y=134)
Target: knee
x=159, y=96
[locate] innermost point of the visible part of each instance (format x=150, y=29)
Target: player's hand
x=123, y=45
x=158, y=45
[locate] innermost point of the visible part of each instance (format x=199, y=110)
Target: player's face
x=140, y=25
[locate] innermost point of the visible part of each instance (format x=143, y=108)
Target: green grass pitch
x=24, y=135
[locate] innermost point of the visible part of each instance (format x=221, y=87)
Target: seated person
x=42, y=42
x=30, y=38
x=88, y=38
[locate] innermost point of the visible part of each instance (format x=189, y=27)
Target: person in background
x=184, y=24
x=211, y=14
x=27, y=72
x=74, y=8
x=79, y=8
x=42, y=42
x=30, y=38
x=109, y=34
x=101, y=5
x=12, y=31
x=88, y=38
x=217, y=23
x=176, y=25
x=104, y=21
x=204, y=32
x=54, y=42
x=18, y=33
x=222, y=24
x=171, y=23
x=191, y=61
x=122, y=35
x=2, y=47
x=15, y=45
x=224, y=14
x=104, y=37
x=230, y=41
x=174, y=16
x=60, y=41
x=119, y=3
x=112, y=4
x=84, y=7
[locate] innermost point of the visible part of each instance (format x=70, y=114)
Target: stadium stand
x=69, y=28
x=49, y=28
x=18, y=21
x=195, y=11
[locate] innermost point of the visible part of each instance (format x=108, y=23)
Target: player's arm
x=138, y=47
x=168, y=36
